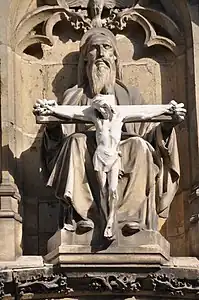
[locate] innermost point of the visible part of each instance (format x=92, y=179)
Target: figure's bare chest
x=109, y=129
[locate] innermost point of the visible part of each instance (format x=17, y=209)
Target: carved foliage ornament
x=2, y=285
x=131, y=284
x=44, y=284
x=37, y=26
x=172, y=285
x=156, y=283
x=115, y=284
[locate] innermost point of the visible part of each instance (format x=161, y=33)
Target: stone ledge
x=47, y=282
x=9, y=189
x=145, y=247
x=10, y=214
x=183, y=262
x=23, y=262
x=77, y=255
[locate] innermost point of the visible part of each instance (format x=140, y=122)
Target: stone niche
x=46, y=72
x=45, y=68
x=41, y=71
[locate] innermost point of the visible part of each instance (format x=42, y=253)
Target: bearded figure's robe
x=149, y=172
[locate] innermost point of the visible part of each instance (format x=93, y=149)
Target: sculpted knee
x=139, y=142
x=78, y=137
x=78, y=140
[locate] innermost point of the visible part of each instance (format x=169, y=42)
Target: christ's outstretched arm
x=83, y=113
x=51, y=108
x=132, y=113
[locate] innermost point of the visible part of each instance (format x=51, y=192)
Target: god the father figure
x=149, y=163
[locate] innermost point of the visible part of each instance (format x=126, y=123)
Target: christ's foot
x=109, y=231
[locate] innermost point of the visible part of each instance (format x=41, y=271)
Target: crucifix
x=108, y=120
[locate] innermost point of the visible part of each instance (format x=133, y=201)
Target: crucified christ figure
x=108, y=119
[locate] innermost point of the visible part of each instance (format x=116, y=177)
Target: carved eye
x=107, y=46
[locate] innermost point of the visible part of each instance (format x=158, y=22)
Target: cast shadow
x=66, y=77
x=38, y=206
x=46, y=2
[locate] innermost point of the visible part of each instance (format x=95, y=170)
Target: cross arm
x=143, y=113
x=67, y=114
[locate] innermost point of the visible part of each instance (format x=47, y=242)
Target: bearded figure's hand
x=44, y=107
x=103, y=104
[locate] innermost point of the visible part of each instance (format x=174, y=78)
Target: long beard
x=102, y=79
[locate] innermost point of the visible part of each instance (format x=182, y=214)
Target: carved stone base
x=146, y=247
x=10, y=235
x=178, y=279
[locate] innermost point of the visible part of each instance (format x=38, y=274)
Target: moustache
x=104, y=61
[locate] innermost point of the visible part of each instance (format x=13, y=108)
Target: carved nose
x=101, y=50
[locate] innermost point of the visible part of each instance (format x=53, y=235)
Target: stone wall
x=160, y=76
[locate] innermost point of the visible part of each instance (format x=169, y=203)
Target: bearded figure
x=149, y=163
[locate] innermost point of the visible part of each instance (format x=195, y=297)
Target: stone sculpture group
x=117, y=165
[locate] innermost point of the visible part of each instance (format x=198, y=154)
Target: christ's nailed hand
x=179, y=112
x=44, y=107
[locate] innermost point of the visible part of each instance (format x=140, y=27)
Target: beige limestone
x=19, y=140
x=146, y=247
x=10, y=236
x=23, y=262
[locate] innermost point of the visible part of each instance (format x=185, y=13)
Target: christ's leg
x=102, y=180
x=112, y=200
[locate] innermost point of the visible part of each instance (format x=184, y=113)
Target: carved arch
x=176, y=10
x=47, y=16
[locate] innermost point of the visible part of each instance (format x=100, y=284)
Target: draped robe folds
x=149, y=165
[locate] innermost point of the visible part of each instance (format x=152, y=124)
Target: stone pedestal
x=10, y=224
x=144, y=248
x=177, y=279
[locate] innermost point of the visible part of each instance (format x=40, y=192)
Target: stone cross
x=108, y=120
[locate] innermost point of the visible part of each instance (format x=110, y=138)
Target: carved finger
x=180, y=112
x=181, y=109
x=52, y=102
x=36, y=105
x=180, y=104
x=173, y=102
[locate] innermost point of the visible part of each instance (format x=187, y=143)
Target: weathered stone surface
x=23, y=262
x=102, y=282
x=174, y=228
x=21, y=82
x=10, y=223
x=146, y=247
x=10, y=235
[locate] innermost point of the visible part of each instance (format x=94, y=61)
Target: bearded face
x=101, y=68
